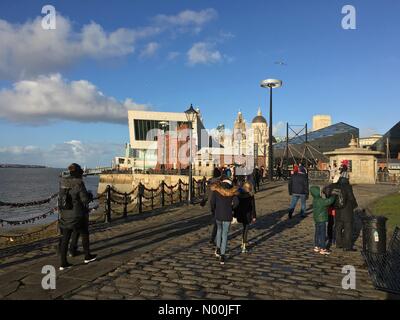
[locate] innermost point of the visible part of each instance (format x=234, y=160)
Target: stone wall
x=126, y=182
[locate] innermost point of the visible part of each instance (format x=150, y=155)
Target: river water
x=31, y=184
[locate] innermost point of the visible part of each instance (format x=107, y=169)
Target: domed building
x=260, y=130
x=239, y=134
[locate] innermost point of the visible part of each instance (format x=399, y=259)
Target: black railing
x=114, y=202
x=142, y=198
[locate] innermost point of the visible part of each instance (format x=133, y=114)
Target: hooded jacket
x=245, y=212
x=223, y=200
x=77, y=216
x=320, y=205
x=346, y=214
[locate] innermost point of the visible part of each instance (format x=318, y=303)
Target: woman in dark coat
x=344, y=219
x=245, y=212
x=222, y=202
x=74, y=213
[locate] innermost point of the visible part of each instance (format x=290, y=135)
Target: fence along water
x=114, y=202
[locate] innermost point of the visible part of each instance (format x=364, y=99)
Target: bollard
x=140, y=195
x=108, y=205
x=180, y=190
x=125, y=214
x=162, y=194
x=152, y=198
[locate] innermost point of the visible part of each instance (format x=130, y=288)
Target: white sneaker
x=69, y=266
x=91, y=259
x=316, y=249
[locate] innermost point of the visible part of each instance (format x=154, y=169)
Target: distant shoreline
x=20, y=166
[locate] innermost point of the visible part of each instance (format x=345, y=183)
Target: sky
x=64, y=93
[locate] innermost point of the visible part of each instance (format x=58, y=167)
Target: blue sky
x=209, y=53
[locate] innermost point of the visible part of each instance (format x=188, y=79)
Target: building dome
x=259, y=118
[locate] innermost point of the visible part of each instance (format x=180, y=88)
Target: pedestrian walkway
x=167, y=255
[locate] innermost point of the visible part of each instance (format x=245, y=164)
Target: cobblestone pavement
x=166, y=255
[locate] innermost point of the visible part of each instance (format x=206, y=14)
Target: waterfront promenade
x=167, y=255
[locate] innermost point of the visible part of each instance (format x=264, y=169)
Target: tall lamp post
x=191, y=115
x=163, y=125
x=270, y=83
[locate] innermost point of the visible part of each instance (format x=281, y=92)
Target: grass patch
x=389, y=206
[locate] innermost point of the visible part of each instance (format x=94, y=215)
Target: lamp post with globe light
x=191, y=115
x=271, y=84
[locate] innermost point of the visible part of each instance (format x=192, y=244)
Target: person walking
x=298, y=190
x=245, y=212
x=74, y=213
x=278, y=172
x=256, y=179
x=222, y=202
x=320, y=216
x=344, y=207
x=216, y=179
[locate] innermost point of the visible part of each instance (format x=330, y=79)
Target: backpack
x=341, y=198
x=65, y=199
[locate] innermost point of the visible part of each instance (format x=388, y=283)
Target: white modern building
x=146, y=126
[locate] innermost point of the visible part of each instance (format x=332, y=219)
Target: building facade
x=147, y=127
x=321, y=121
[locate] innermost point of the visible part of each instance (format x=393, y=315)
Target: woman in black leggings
x=245, y=212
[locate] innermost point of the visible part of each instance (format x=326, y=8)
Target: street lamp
x=163, y=125
x=270, y=83
x=191, y=115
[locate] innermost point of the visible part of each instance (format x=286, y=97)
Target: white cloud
x=187, y=19
x=173, y=55
x=60, y=155
x=48, y=98
x=203, y=53
x=279, y=129
x=149, y=50
x=28, y=50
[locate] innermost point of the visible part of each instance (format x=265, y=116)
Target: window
x=143, y=129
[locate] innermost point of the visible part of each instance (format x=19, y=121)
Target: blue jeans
x=222, y=235
x=320, y=235
x=295, y=199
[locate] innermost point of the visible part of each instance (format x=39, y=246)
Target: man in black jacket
x=344, y=219
x=75, y=218
x=298, y=189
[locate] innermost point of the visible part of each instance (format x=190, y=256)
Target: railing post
x=162, y=194
x=180, y=190
x=152, y=198
x=108, y=205
x=193, y=188
x=140, y=195
x=125, y=205
x=204, y=185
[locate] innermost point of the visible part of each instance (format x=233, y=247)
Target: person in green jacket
x=320, y=215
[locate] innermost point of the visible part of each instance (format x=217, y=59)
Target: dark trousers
x=73, y=246
x=66, y=236
x=257, y=185
x=245, y=232
x=320, y=235
x=214, y=230
x=330, y=230
x=344, y=233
